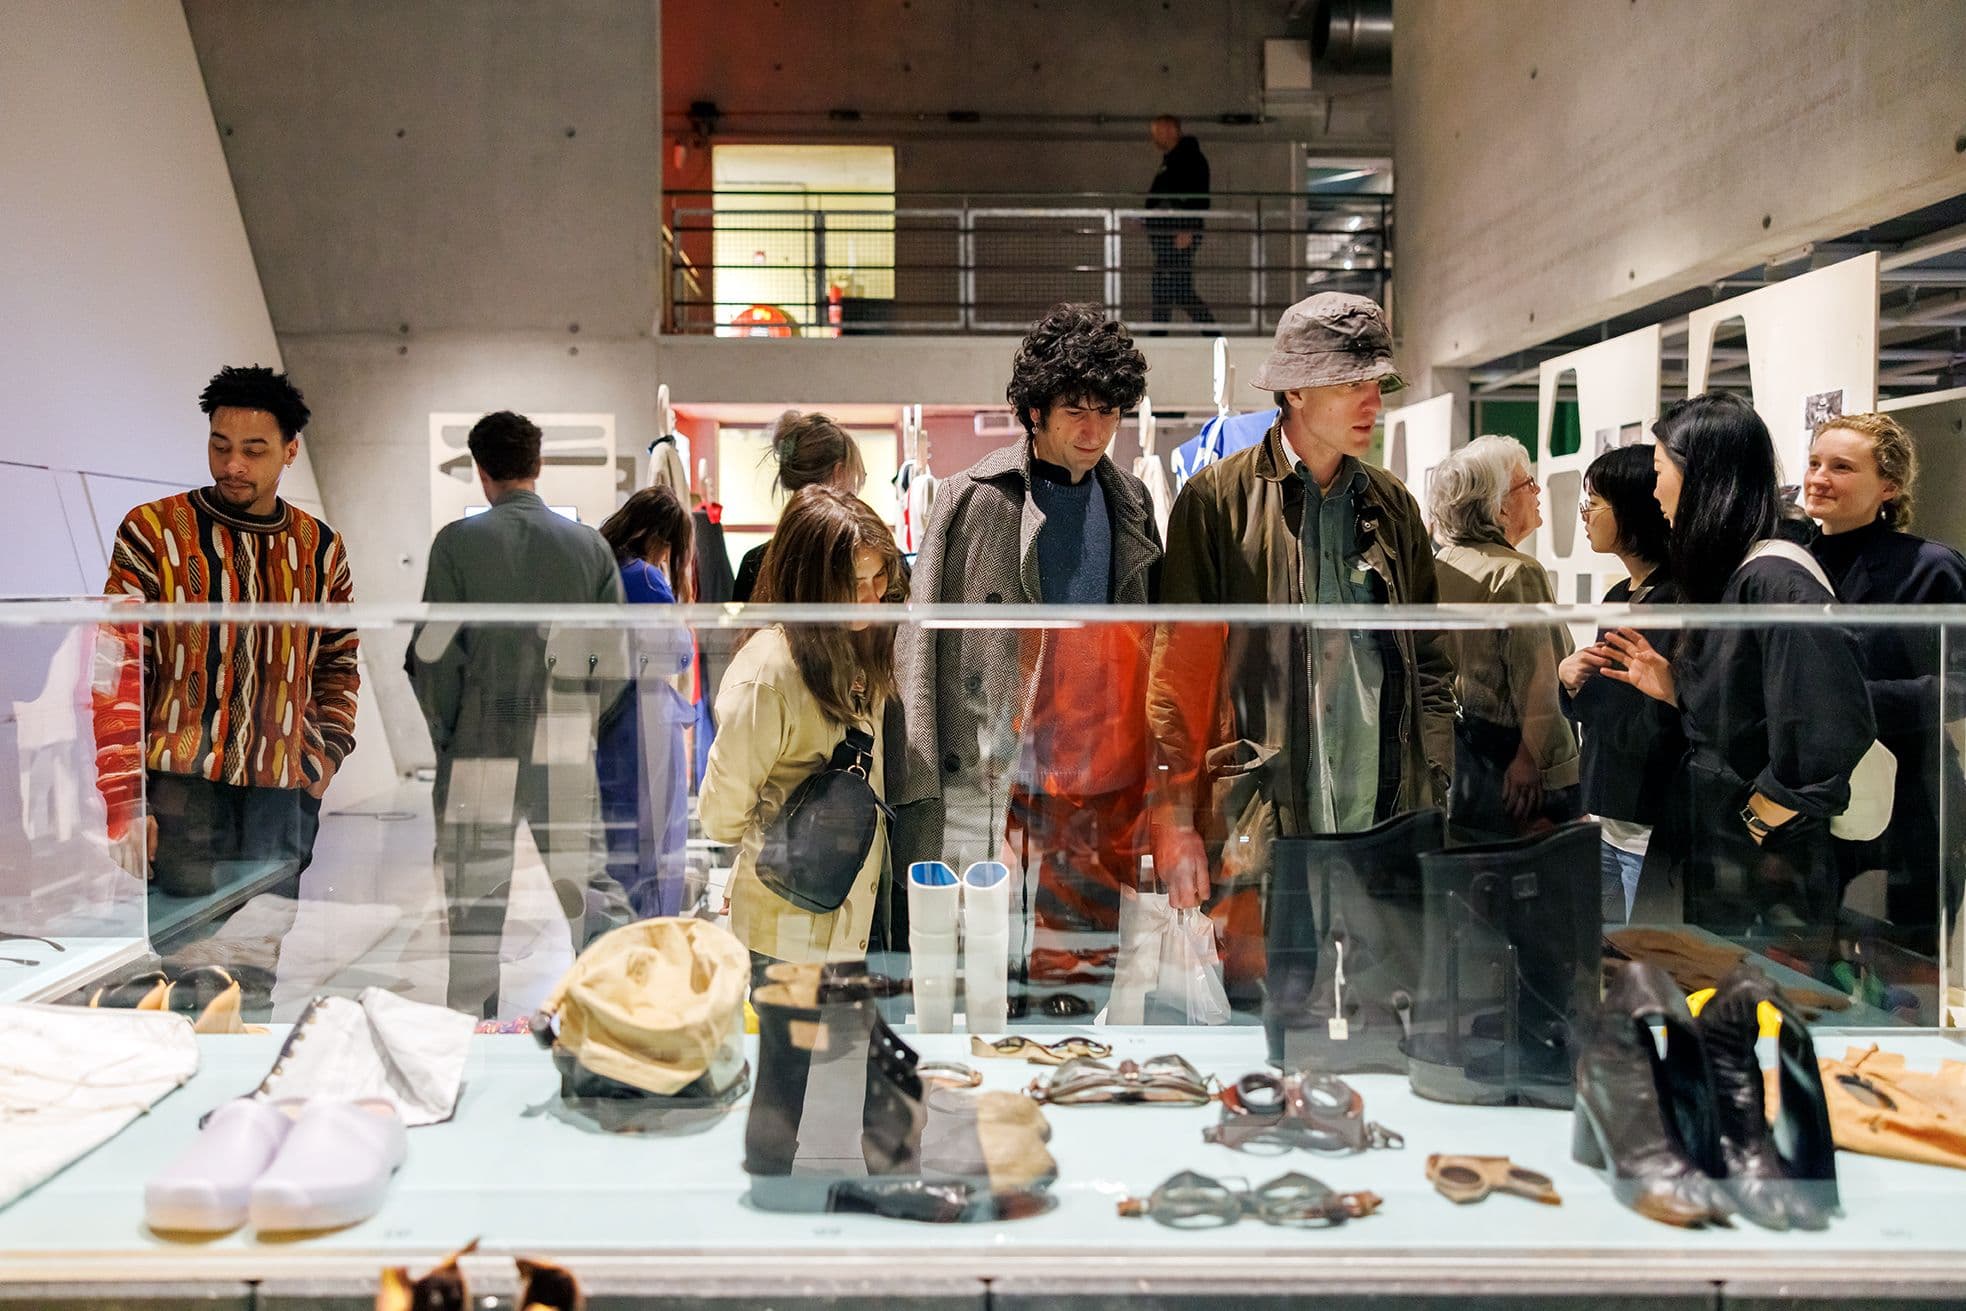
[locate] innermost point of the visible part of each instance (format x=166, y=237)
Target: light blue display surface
x=510, y=1171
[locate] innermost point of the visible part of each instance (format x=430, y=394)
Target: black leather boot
x=1342, y=926
x=1784, y=1177
x=837, y=1113
x=1509, y=969
x=1649, y=1121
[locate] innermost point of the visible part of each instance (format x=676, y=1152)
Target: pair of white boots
x=982, y=895
x=284, y=1165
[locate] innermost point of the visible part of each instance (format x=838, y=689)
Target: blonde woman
x=1862, y=473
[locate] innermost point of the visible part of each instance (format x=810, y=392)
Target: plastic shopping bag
x=1144, y=919
x=1191, y=969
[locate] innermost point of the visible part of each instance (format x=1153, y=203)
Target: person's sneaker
x=333, y=1169
x=206, y=1189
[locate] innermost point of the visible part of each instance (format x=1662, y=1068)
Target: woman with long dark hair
x=1860, y=483
x=640, y=756
x=1632, y=744
x=792, y=692
x=1776, y=715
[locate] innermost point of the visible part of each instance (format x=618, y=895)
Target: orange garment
x=1880, y=1108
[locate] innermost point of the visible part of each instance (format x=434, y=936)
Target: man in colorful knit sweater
x=245, y=724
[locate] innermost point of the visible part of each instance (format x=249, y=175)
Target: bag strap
x=855, y=751
x=1794, y=554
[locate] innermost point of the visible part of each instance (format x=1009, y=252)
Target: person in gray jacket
x=512, y=709
x=1031, y=744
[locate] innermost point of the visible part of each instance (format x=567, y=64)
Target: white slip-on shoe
x=205, y=1190
x=334, y=1168
x=934, y=894
x=986, y=947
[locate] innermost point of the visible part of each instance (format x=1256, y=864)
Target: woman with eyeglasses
x=1515, y=756
x=1776, y=714
x=1859, y=486
x=1632, y=744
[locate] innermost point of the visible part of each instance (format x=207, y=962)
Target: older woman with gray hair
x=1515, y=759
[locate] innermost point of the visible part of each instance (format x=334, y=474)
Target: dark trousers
x=477, y=838
x=216, y=835
x=1174, y=281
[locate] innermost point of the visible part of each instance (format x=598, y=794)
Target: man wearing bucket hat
x=1281, y=730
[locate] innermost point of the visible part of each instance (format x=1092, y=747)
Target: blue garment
x=1221, y=436
x=1075, y=545
x=642, y=761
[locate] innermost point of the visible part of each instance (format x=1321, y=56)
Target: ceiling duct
x=1353, y=36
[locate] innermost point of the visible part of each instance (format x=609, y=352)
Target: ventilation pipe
x=1353, y=36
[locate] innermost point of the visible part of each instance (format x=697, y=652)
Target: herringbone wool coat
x=965, y=691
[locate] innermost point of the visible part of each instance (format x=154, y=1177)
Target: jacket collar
x=1133, y=549
x=1278, y=463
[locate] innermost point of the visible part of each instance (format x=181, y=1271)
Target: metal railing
x=842, y=263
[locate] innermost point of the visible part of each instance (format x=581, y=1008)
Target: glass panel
x=1387, y=898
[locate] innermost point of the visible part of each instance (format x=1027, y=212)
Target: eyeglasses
x=1589, y=508
x=1313, y=1111
x=1082, y=1081
x=1529, y=481
x=1194, y=1201
x=7, y=935
x=1463, y=1179
x=1039, y=1053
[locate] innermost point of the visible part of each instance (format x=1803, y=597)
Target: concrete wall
x=1062, y=88
x=125, y=283
x=445, y=164
x=1561, y=161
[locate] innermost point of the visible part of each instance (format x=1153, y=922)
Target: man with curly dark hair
x=244, y=725
x=1033, y=742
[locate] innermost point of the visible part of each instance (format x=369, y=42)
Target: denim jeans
x=1619, y=871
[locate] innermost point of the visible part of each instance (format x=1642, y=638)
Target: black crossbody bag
x=815, y=846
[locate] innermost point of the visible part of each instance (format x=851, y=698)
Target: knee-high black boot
x=1509, y=979
x=1342, y=931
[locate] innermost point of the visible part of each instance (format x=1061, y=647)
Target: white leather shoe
x=934, y=894
x=333, y=1169
x=205, y=1190
x=986, y=947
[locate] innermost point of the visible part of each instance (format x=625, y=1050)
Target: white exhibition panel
x=1617, y=384
x=40, y=559
x=578, y=468
x=1812, y=351
x=1418, y=437
x=1937, y=424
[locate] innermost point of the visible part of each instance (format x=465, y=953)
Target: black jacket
x=1180, y=183
x=1779, y=708
x=1903, y=666
x=1631, y=744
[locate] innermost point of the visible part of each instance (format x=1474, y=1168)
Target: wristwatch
x=1756, y=824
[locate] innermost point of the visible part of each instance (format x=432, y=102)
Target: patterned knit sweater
x=253, y=705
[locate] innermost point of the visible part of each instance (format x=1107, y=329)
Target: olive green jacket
x=1229, y=705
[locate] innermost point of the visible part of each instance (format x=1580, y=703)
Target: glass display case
x=1132, y=952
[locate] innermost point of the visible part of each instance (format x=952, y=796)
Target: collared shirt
x=1347, y=672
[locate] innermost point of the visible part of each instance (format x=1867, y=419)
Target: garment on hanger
x=921, y=499
x=1221, y=436
x=715, y=585
x=1153, y=475
x=904, y=481
x=667, y=467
